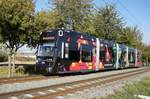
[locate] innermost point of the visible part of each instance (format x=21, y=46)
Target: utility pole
x=69, y=24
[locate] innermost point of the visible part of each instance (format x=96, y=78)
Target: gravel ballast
x=104, y=89
x=4, y=88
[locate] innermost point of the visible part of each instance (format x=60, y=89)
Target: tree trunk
x=13, y=65
x=147, y=61
x=9, y=64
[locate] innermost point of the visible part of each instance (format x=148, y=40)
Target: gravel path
x=104, y=89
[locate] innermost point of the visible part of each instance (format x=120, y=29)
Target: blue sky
x=135, y=12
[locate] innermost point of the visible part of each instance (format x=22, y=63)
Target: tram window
x=66, y=50
x=131, y=57
x=123, y=55
x=138, y=57
x=86, y=56
x=113, y=54
x=102, y=54
x=74, y=55
x=110, y=51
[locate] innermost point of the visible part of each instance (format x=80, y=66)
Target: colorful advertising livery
x=65, y=51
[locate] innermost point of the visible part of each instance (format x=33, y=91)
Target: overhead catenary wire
x=133, y=19
x=139, y=23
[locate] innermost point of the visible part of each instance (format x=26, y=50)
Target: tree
x=146, y=53
x=131, y=36
x=73, y=13
x=108, y=24
x=16, y=20
x=43, y=21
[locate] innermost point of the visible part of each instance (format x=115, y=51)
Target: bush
x=3, y=56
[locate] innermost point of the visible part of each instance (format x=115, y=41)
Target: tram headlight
x=38, y=60
x=43, y=62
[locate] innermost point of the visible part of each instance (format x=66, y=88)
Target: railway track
x=50, y=92
x=26, y=78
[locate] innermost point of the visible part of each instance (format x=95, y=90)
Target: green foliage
x=3, y=56
x=20, y=70
x=73, y=12
x=19, y=22
x=16, y=20
x=108, y=24
x=146, y=53
x=129, y=91
x=43, y=21
x=132, y=36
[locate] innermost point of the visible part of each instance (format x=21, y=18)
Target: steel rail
x=98, y=81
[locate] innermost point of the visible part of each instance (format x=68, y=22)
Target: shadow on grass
x=21, y=68
x=27, y=69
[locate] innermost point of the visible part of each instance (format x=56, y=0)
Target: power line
x=131, y=14
x=133, y=19
x=105, y=2
x=118, y=10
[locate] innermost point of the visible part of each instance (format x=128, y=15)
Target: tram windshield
x=46, y=49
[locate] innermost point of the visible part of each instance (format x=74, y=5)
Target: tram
x=67, y=51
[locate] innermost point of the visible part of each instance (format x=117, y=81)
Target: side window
x=108, y=54
x=66, y=50
x=112, y=54
x=102, y=54
x=74, y=55
x=123, y=55
x=138, y=57
x=131, y=57
x=86, y=56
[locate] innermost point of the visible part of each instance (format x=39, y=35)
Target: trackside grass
x=130, y=91
x=24, y=66
x=19, y=71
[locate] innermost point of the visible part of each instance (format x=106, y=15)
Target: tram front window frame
x=46, y=49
